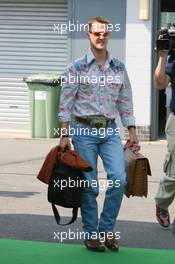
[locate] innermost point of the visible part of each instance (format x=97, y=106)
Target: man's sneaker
x=163, y=216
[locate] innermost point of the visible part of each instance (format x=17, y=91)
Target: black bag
x=65, y=189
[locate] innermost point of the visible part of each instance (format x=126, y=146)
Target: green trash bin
x=44, y=95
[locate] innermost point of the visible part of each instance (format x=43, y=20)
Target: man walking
x=102, y=90
x=165, y=74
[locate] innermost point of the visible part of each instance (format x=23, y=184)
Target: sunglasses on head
x=98, y=34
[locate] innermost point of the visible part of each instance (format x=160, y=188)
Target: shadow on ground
x=44, y=228
x=17, y=194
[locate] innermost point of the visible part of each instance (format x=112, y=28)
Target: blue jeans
x=110, y=149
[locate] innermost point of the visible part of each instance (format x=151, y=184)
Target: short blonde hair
x=99, y=19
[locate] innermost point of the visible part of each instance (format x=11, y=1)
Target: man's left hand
x=132, y=136
x=132, y=141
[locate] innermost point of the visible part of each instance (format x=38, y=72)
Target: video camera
x=167, y=42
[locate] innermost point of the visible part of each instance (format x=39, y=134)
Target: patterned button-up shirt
x=95, y=90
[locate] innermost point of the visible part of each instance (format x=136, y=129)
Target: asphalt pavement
x=25, y=213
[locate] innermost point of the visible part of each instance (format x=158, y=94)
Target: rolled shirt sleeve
x=125, y=102
x=68, y=93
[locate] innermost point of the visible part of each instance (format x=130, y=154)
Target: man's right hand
x=65, y=143
x=161, y=79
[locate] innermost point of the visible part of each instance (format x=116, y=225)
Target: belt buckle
x=98, y=123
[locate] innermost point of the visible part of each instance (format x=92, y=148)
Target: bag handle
x=57, y=215
x=135, y=147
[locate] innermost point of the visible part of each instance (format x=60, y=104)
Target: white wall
x=138, y=60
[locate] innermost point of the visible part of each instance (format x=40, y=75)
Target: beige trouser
x=166, y=191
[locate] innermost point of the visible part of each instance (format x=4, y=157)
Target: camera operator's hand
x=162, y=33
x=160, y=36
x=161, y=78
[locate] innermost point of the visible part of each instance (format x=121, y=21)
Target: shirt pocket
x=86, y=88
x=114, y=89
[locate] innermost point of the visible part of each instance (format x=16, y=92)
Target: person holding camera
x=95, y=106
x=165, y=74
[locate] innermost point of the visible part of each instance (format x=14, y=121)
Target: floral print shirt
x=96, y=90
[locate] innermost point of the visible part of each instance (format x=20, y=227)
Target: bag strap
x=57, y=215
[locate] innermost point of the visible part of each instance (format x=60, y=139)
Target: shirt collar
x=110, y=58
x=90, y=57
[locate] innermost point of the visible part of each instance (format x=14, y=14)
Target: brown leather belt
x=95, y=122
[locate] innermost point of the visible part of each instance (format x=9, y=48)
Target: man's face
x=98, y=36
